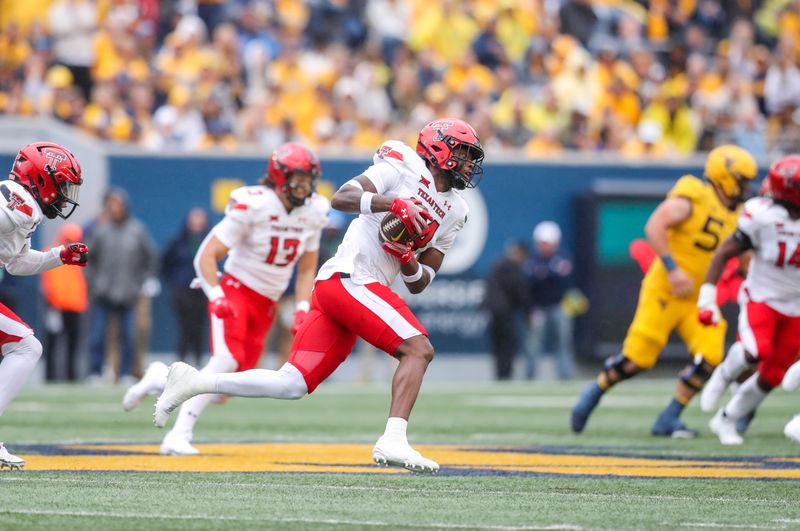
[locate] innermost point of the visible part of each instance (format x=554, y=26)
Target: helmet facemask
x=291, y=185
x=67, y=197
x=465, y=165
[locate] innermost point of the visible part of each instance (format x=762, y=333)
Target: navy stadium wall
x=510, y=200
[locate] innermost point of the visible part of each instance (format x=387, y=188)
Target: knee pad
x=28, y=346
x=294, y=385
x=696, y=374
x=618, y=368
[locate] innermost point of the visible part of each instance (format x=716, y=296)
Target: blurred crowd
x=658, y=78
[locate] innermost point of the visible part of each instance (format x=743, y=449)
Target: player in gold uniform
x=684, y=230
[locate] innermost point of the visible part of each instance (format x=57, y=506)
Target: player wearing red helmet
x=267, y=229
x=51, y=174
x=769, y=301
x=352, y=297
x=43, y=181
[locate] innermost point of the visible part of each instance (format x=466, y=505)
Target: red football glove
x=411, y=213
x=299, y=317
x=402, y=251
x=222, y=308
x=75, y=254
x=707, y=310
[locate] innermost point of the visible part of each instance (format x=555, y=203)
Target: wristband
x=431, y=272
x=302, y=306
x=366, y=202
x=215, y=292
x=669, y=263
x=414, y=277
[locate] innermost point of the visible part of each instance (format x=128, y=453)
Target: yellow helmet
x=727, y=166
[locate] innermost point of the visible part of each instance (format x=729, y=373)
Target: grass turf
x=525, y=415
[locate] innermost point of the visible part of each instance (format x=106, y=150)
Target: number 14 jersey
x=774, y=274
x=265, y=240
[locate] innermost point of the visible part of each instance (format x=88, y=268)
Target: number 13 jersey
x=774, y=273
x=265, y=240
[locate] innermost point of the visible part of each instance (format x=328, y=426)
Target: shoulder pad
x=398, y=154
x=756, y=206
x=689, y=187
x=247, y=199
x=20, y=206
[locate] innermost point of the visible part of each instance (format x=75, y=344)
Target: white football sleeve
x=384, y=176
x=32, y=262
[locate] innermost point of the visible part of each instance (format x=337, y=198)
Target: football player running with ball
x=684, y=231
x=352, y=297
x=44, y=182
x=769, y=301
x=267, y=229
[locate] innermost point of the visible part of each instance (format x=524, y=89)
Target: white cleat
x=725, y=428
x=177, y=444
x=791, y=380
x=183, y=382
x=713, y=391
x=396, y=453
x=9, y=460
x=152, y=383
x=792, y=429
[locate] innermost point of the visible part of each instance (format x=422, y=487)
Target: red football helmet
x=51, y=174
x=288, y=159
x=453, y=146
x=784, y=180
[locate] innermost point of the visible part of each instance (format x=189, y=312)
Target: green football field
x=508, y=462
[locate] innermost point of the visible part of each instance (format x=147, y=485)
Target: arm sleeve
x=230, y=231
x=384, y=176
x=747, y=225
x=31, y=262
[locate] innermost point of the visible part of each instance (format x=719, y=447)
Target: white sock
x=735, y=362
x=747, y=398
x=192, y=409
x=19, y=360
x=287, y=383
x=396, y=429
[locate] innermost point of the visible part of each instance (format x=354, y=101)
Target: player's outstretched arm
x=671, y=212
x=733, y=246
x=418, y=274
x=306, y=271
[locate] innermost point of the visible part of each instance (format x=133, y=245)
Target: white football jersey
x=265, y=240
x=774, y=273
x=396, y=171
x=20, y=217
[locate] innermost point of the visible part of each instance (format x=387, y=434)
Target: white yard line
x=729, y=526
x=329, y=521
x=98, y=479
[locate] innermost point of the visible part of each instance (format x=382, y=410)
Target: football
x=393, y=229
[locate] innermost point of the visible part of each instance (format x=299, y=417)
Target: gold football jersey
x=693, y=242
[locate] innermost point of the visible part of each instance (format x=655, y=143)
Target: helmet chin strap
x=288, y=188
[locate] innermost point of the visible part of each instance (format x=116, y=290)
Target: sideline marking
x=355, y=458
x=329, y=521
